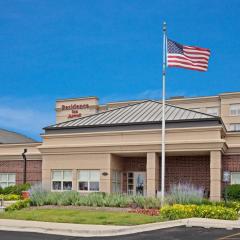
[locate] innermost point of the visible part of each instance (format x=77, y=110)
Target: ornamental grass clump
x=66, y=198
x=117, y=200
x=146, y=202
x=185, y=194
x=39, y=195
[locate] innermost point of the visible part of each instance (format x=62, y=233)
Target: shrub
x=185, y=194
x=18, y=205
x=232, y=204
x=229, y=204
x=233, y=192
x=178, y=211
x=217, y=212
x=16, y=189
x=10, y=197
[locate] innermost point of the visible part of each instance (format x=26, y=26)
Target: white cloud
x=25, y=118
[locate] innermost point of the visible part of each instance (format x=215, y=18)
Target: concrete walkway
x=85, y=230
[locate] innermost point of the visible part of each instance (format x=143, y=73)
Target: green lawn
x=80, y=216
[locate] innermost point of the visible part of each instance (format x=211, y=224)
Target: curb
x=82, y=230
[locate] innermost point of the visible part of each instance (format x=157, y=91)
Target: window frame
x=232, y=110
x=216, y=108
x=234, y=124
x=62, y=180
x=232, y=173
x=8, y=182
x=88, y=180
x=116, y=181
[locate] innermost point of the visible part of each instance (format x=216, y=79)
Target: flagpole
x=163, y=114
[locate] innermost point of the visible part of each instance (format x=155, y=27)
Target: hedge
x=16, y=189
x=233, y=192
x=18, y=205
x=10, y=197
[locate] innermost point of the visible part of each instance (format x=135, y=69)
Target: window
x=212, y=111
x=116, y=181
x=130, y=183
x=7, y=179
x=235, y=127
x=88, y=180
x=235, y=178
x=235, y=109
x=61, y=180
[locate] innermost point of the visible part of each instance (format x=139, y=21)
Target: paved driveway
x=168, y=234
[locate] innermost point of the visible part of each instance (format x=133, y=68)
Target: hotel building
x=116, y=147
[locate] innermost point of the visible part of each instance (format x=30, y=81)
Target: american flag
x=194, y=58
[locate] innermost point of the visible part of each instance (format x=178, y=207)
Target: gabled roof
x=13, y=137
x=145, y=112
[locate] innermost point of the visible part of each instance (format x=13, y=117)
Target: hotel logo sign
x=74, y=108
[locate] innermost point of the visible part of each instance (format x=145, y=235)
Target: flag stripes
x=194, y=58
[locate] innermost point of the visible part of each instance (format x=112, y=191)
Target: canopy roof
x=140, y=113
x=13, y=137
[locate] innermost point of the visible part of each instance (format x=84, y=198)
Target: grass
x=81, y=216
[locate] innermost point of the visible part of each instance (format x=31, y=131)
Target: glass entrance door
x=136, y=183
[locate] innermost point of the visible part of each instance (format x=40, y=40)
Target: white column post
x=163, y=115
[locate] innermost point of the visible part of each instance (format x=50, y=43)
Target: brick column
x=152, y=173
x=215, y=175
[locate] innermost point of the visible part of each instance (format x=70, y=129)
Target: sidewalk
x=85, y=230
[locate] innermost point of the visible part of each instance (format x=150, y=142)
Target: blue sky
x=52, y=49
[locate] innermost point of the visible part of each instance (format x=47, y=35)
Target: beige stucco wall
x=75, y=162
x=204, y=138
x=152, y=173
x=215, y=175
x=103, y=151
x=14, y=151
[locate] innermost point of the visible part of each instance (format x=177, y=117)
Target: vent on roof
x=177, y=97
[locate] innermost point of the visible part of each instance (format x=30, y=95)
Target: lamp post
x=24, y=166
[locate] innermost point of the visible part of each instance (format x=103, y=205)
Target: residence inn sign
x=74, y=108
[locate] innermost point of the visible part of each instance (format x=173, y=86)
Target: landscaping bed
x=182, y=201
